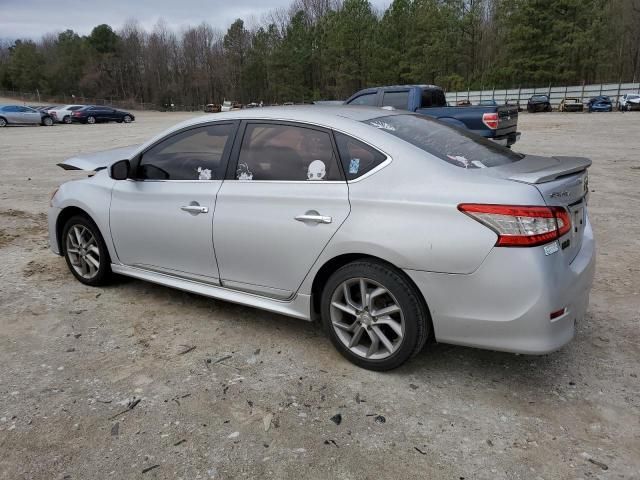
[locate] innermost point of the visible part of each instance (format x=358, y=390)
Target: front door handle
x=313, y=216
x=195, y=209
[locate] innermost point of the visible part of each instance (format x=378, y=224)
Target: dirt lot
x=255, y=398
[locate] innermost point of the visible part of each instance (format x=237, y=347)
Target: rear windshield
x=456, y=146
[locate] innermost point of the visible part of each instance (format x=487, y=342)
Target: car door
x=283, y=200
x=30, y=116
x=162, y=218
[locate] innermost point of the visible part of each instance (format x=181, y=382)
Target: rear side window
x=456, y=146
x=433, y=98
x=286, y=152
x=366, y=99
x=398, y=100
x=194, y=154
x=357, y=158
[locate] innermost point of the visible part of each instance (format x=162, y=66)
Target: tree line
x=328, y=49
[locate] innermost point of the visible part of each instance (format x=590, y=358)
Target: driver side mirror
x=120, y=170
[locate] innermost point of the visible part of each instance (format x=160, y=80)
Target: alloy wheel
x=67, y=120
x=3, y=122
x=367, y=318
x=127, y=119
x=91, y=120
x=82, y=251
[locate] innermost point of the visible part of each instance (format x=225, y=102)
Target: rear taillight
x=75, y=114
x=520, y=226
x=490, y=120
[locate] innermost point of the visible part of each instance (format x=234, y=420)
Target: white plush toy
x=317, y=170
x=204, y=173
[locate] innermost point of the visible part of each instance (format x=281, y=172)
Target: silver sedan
x=390, y=228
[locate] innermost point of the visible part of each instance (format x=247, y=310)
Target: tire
x=91, y=120
x=411, y=321
x=127, y=119
x=47, y=121
x=3, y=122
x=75, y=232
x=67, y=119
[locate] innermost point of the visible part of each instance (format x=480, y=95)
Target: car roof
x=328, y=115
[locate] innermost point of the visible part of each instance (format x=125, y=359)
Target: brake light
x=520, y=226
x=75, y=114
x=490, y=120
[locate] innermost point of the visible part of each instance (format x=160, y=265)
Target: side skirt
x=299, y=306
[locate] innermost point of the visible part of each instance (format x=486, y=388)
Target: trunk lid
x=562, y=181
x=93, y=162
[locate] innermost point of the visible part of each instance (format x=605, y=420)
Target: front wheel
x=3, y=122
x=127, y=119
x=85, y=251
x=373, y=315
x=91, y=120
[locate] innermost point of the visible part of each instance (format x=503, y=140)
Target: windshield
x=456, y=146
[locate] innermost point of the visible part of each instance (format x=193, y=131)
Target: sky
x=33, y=18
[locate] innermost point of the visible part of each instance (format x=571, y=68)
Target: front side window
x=357, y=157
x=398, y=100
x=285, y=152
x=366, y=99
x=456, y=146
x=195, y=154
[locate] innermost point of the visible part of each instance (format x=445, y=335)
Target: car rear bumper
x=507, y=140
x=506, y=304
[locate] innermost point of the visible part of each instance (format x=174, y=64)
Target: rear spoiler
x=535, y=169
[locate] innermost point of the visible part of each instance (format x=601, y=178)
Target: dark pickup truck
x=497, y=122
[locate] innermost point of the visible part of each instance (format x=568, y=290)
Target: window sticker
x=354, y=166
x=382, y=125
x=204, y=173
x=317, y=170
x=460, y=160
x=243, y=172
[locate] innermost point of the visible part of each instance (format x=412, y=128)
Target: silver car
x=389, y=227
x=20, y=115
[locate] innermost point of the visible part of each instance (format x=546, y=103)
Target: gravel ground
x=105, y=383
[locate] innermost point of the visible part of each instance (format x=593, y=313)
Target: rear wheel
x=85, y=251
x=47, y=121
x=373, y=315
x=67, y=119
x=91, y=120
x=3, y=122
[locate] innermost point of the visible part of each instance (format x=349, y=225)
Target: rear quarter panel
x=406, y=214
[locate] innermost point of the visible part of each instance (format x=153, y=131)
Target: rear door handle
x=314, y=217
x=195, y=209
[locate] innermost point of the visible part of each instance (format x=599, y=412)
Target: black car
x=97, y=113
x=539, y=103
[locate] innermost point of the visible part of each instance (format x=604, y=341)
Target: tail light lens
x=520, y=226
x=75, y=114
x=490, y=120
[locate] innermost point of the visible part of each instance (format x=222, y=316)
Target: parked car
x=496, y=123
x=539, y=103
x=98, y=113
x=370, y=220
x=488, y=103
x=515, y=102
x=212, y=108
x=601, y=103
x=64, y=113
x=571, y=104
x=21, y=115
x=229, y=105
x=628, y=102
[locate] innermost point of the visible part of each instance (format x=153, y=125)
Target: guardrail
x=555, y=94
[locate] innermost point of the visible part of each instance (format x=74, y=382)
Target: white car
x=63, y=114
x=629, y=101
x=228, y=105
